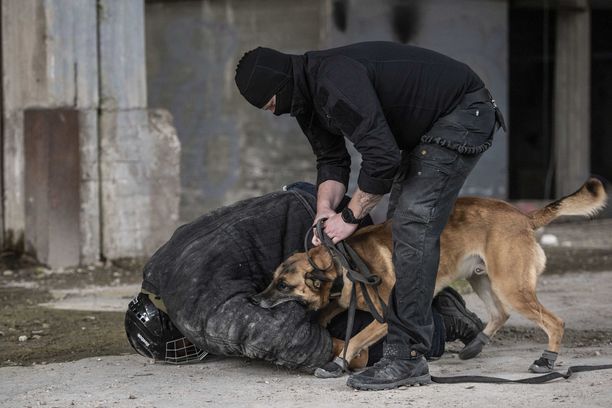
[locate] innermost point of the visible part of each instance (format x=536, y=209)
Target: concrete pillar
x=139, y=159
x=165, y=179
x=123, y=76
x=139, y=150
x=1, y=180
x=86, y=57
x=572, y=96
x=49, y=60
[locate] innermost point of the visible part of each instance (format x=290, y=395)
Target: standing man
x=420, y=121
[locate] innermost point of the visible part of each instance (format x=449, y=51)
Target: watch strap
x=349, y=217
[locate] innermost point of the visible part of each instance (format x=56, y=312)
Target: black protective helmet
x=152, y=334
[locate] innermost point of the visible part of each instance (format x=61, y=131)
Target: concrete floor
x=579, y=295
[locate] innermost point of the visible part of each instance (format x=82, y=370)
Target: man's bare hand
x=337, y=229
x=329, y=196
x=322, y=213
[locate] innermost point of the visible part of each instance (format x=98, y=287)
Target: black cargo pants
x=422, y=199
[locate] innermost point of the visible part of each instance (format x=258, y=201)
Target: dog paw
x=329, y=370
x=544, y=364
x=474, y=347
x=540, y=369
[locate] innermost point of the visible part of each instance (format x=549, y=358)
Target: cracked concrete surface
x=580, y=294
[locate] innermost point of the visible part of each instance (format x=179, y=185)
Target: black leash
x=541, y=379
x=357, y=272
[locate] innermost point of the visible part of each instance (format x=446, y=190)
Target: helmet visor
x=182, y=351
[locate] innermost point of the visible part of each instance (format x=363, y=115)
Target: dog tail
x=587, y=201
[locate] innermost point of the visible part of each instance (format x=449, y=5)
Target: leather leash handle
x=325, y=242
x=322, y=235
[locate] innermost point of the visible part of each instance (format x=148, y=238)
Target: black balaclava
x=263, y=73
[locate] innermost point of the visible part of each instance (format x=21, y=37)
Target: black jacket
x=206, y=272
x=381, y=96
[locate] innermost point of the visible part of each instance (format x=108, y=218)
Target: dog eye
x=281, y=285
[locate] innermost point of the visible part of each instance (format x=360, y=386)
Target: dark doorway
x=532, y=55
x=601, y=93
x=532, y=46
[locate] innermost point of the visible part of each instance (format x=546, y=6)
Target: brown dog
x=486, y=241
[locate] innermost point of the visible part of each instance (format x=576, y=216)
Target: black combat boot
x=459, y=322
x=392, y=371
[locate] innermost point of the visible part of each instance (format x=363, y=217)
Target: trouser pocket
x=423, y=169
x=468, y=130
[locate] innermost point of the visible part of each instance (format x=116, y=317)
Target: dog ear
x=318, y=275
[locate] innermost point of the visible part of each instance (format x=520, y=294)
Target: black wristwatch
x=348, y=216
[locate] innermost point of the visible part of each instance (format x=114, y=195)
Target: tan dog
x=486, y=241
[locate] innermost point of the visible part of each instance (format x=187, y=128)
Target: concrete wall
x=476, y=32
x=88, y=56
x=572, y=97
x=139, y=150
x=45, y=65
x=472, y=31
x=126, y=143
x=230, y=149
